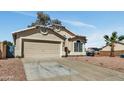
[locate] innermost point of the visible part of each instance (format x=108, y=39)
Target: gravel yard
x=11, y=70
x=114, y=63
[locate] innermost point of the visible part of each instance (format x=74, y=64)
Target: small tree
x=56, y=21
x=111, y=40
x=8, y=43
x=42, y=19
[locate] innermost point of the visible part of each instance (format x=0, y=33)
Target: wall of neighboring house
x=107, y=53
x=122, y=41
x=119, y=49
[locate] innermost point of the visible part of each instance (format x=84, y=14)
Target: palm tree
x=111, y=40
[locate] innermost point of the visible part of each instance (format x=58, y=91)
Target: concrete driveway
x=66, y=70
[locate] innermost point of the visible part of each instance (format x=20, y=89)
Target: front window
x=78, y=46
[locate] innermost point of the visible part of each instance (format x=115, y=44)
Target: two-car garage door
x=41, y=49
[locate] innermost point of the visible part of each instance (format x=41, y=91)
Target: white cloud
x=95, y=40
x=74, y=23
x=79, y=23
x=25, y=13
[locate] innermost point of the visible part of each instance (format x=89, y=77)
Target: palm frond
x=106, y=37
x=114, y=34
x=120, y=38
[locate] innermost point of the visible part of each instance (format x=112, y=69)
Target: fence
x=107, y=53
x=2, y=50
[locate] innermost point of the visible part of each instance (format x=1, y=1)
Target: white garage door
x=41, y=49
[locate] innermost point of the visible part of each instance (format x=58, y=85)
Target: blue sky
x=94, y=25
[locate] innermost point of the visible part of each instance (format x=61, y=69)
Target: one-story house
x=48, y=41
x=118, y=48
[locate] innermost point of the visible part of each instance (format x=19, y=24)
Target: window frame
x=78, y=45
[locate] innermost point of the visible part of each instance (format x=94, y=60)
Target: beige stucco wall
x=70, y=44
x=63, y=32
x=2, y=50
x=18, y=47
x=117, y=47
x=33, y=34
x=36, y=35
x=122, y=41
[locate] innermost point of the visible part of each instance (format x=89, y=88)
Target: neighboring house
x=119, y=49
x=48, y=41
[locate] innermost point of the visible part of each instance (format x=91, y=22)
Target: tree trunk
x=112, y=51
